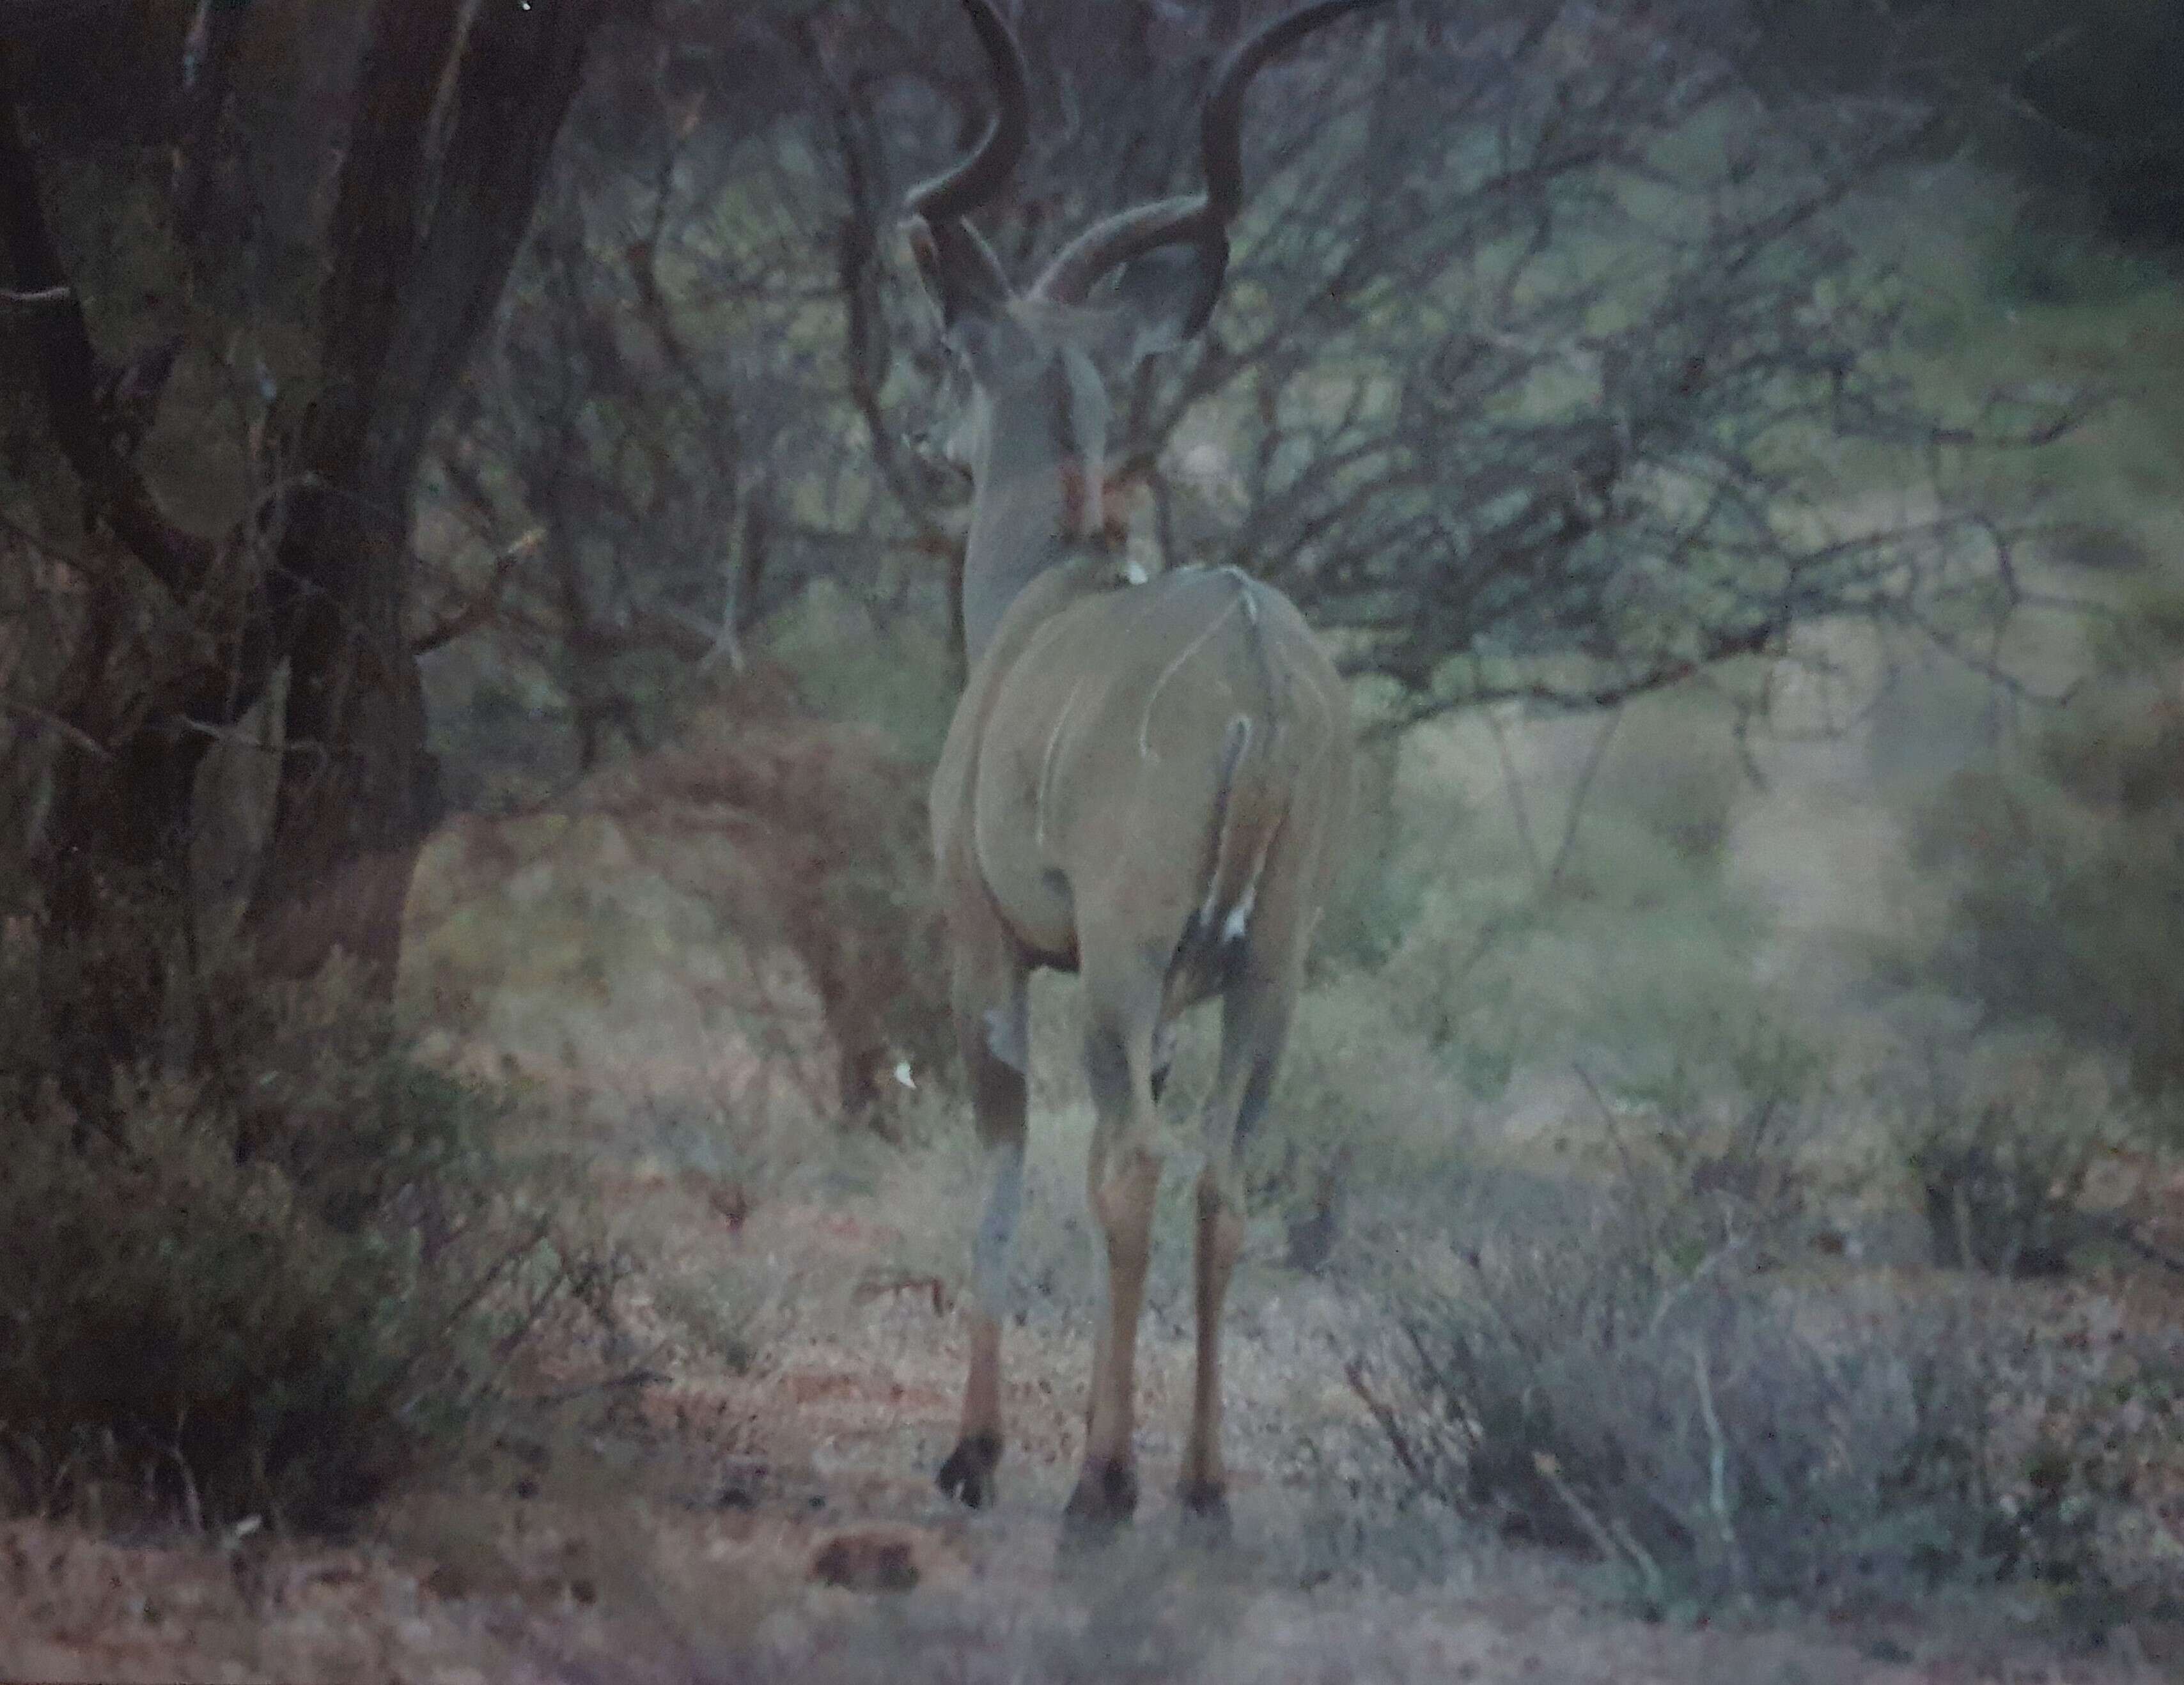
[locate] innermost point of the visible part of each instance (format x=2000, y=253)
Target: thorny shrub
x=1643, y=1370
x=276, y=1282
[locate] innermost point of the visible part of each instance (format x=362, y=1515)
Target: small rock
x=741, y=1482
x=866, y=1562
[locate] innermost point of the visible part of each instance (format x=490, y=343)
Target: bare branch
x=179, y=560
x=481, y=607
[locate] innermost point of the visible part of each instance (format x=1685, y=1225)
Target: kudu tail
x=1248, y=813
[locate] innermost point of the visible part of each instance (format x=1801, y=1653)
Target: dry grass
x=1682, y=1358
x=672, y=1535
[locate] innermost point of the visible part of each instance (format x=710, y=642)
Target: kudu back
x=1143, y=782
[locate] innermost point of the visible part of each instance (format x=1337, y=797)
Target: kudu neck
x=1039, y=497
x=1023, y=524
x=1018, y=530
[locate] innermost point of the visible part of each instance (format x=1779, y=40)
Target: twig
x=480, y=608
x=1524, y=1347
x=1718, y=1467
x=542, y=1299
x=1622, y=1152
x=1656, y=1583
x=1384, y=1417
x=76, y=734
x=1592, y=761
x=931, y=1285
x=2115, y=1229
x=174, y=1449
x=1517, y=810
x=1619, y=1543
x=62, y=352
x=487, y=1278
x=1708, y=1265
x=235, y=737
x=630, y=1380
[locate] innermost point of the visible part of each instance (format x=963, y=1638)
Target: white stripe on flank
x=1146, y=724
x=1034, y=646
x=1047, y=761
x=1038, y=640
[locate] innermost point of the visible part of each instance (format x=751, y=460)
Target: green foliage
x=1628, y=945
x=1671, y=768
x=276, y=1285
x=1364, y=1105
x=1732, y=1123
x=1463, y=958
x=2052, y=253
x=2064, y=874
x=893, y=674
x=1381, y=880
x=2000, y=1156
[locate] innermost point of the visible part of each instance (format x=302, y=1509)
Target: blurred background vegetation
x=457, y=522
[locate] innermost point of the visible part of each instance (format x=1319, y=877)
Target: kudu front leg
x=992, y=1034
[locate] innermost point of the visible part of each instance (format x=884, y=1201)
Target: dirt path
x=699, y=1544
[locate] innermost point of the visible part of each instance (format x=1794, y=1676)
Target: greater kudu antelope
x=1143, y=781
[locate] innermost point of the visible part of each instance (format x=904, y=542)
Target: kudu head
x=1030, y=420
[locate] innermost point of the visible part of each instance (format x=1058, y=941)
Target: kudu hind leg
x=1163, y=1059
x=1254, y=1022
x=992, y=1033
x=1123, y=1009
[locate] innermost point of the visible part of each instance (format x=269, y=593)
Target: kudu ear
x=960, y=273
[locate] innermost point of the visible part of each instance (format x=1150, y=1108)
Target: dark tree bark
x=453, y=119
x=208, y=64
x=69, y=368
x=117, y=835
x=436, y=190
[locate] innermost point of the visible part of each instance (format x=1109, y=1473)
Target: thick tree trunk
x=454, y=116
x=355, y=794
x=208, y=60
x=114, y=851
x=117, y=910
x=457, y=109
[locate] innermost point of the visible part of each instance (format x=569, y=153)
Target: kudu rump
x=1143, y=782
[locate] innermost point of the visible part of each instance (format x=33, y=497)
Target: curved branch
x=179, y=560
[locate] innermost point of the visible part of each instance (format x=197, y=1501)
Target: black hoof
x=968, y=1473
x=1206, y=1515
x=1106, y=1498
